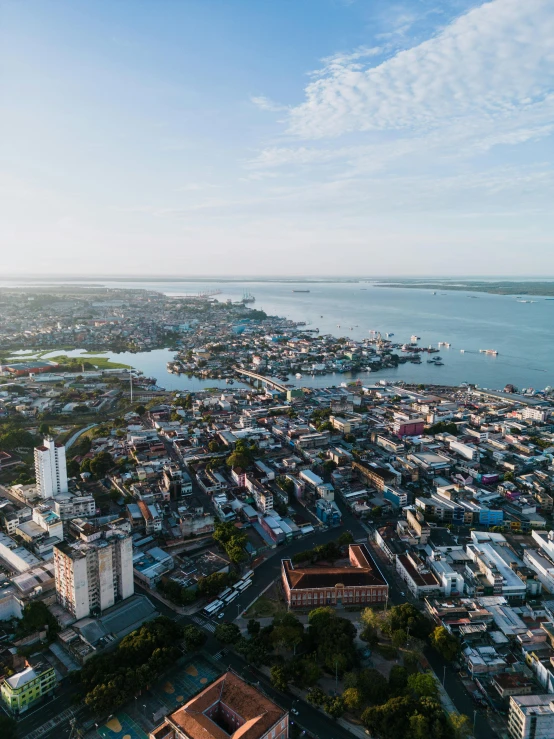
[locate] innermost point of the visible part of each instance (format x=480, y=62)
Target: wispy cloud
x=265, y=103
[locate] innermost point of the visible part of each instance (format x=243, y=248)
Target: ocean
x=521, y=333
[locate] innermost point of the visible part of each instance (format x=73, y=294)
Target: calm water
x=521, y=332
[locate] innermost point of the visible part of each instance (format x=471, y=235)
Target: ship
x=247, y=298
x=300, y=291
x=488, y=351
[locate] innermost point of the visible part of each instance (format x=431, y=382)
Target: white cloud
x=265, y=103
x=495, y=62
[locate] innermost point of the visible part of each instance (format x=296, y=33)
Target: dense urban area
x=263, y=560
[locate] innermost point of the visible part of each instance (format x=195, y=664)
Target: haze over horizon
x=316, y=138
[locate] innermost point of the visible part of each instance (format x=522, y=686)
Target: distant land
x=543, y=289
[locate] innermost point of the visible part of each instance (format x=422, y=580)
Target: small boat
x=298, y=376
x=438, y=364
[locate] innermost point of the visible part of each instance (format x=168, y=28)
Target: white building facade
x=50, y=468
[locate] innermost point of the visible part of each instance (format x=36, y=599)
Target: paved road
x=76, y=435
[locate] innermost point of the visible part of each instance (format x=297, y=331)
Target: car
x=402, y=593
x=294, y=710
x=221, y=615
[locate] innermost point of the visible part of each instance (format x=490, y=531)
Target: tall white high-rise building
x=50, y=468
x=94, y=574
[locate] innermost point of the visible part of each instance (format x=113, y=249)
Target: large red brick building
x=229, y=708
x=361, y=582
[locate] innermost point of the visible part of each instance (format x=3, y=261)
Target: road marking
x=204, y=624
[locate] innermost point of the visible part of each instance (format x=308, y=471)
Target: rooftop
x=364, y=573
x=205, y=717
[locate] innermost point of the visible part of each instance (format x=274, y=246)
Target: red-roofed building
x=359, y=583
x=229, y=708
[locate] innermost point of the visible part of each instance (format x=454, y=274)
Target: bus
x=241, y=586
x=230, y=598
x=212, y=608
x=248, y=575
x=224, y=594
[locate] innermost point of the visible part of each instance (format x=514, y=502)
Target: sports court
x=185, y=681
x=121, y=726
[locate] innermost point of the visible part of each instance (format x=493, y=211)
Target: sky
x=277, y=137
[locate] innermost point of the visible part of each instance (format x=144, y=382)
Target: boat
x=300, y=291
x=462, y=351
x=247, y=298
x=229, y=381
x=298, y=376
x=438, y=364
x=488, y=351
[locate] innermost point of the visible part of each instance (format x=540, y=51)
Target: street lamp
x=443, y=676
x=474, y=719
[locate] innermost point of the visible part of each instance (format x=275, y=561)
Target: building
x=229, y=708
x=20, y=691
x=94, y=573
x=360, y=583
x=405, y=425
x=328, y=512
x=50, y=468
x=417, y=576
x=531, y=717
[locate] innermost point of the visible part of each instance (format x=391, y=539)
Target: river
x=520, y=332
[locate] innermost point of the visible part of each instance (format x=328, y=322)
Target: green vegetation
x=496, y=288
x=99, y=465
x=215, y=583
x=446, y=644
x=264, y=607
x=8, y=727
x=75, y=364
x=176, y=593
x=12, y=437
x=442, y=427
x=37, y=617
x=112, y=679
x=232, y=540
x=242, y=455
x=227, y=633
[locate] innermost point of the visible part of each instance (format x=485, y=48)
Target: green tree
x=345, y=538
x=8, y=727
x=287, y=631
x=389, y=720
x=423, y=684
x=140, y=410
x=227, y=633
x=316, y=696
x=194, y=638
x=373, y=685
x=446, y=644
x=279, y=678
x=398, y=680
x=399, y=638
x=253, y=627
x=73, y=468
x=353, y=699
x=461, y=725
x=44, y=429
x=101, y=463
x=334, y=706
x=37, y=617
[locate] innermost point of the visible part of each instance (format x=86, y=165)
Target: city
x=232, y=531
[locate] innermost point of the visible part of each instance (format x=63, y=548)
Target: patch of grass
x=98, y=362
x=265, y=607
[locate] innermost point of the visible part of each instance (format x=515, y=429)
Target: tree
x=8, y=727
x=37, y=617
x=194, y=638
x=353, y=699
x=419, y=726
x=373, y=685
x=446, y=644
x=388, y=721
x=345, y=538
x=399, y=638
x=44, y=429
x=423, y=684
x=227, y=633
x=101, y=463
x=398, y=680
x=140, y=410
x=253, y=627
x=279, y=678
x=287, y=630
x=461, y=725
x=334, y=706
x=73, y=468
x=316, y=696
x=376, y=512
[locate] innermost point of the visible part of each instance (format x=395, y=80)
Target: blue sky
x=332, y=137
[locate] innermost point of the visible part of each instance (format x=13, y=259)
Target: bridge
x=263, y=380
